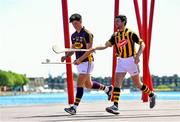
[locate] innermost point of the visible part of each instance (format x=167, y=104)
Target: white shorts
x=85, y=67
x=127, y=65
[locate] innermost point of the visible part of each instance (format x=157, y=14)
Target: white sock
x=75, y=106
x=106, y=89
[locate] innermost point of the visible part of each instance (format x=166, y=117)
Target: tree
x=5, y=79
x=176, y=79
x=12, y=80
x=25, y=79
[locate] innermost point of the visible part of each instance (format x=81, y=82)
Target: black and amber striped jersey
x=129, y=39
x=80, y=41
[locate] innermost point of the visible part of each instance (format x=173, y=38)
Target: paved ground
x=94, y=112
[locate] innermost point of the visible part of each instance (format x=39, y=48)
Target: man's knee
x=88, y=86
x=137, y=81
x=119, y=79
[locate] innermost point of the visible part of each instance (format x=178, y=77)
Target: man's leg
x=79, y=94
x=116, y=93
x=145, y=89
x=98, y=86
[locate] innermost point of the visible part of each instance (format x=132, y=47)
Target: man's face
x=119, y=24
x=77, y=24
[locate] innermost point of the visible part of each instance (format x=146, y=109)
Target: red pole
x=149, y=38
x=151, y=23
x=138, y=18
x=145, y=53
x=116, y=12
x=70, y=83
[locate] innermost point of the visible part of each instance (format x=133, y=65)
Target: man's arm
x=89, y=46
x=141, y=49
x=68, y=54
x=138, y=54
x=139, y=41
x=86, y=54
x=107, y=44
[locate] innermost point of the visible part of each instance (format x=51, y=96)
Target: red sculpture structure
x=145, y=32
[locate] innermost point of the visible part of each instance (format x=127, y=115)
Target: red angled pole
x=145, y=53
x=151, y=23
x=149, y=39
x=145, y=34
x=138, y=17
x=70, y=83
x=116, y=12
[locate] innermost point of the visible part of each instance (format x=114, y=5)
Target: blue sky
x=29, y=28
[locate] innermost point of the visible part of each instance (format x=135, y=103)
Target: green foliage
x=3, y=78
x=25, y=79
x=12, y=79
x=18, y=80
x=163, y=88
x=6, y=79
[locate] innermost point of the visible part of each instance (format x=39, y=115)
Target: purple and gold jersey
x=80, y=40
x=129, y=39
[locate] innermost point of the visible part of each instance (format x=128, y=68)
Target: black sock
x=145, y=89
x=79, y=95
x=116, y=94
